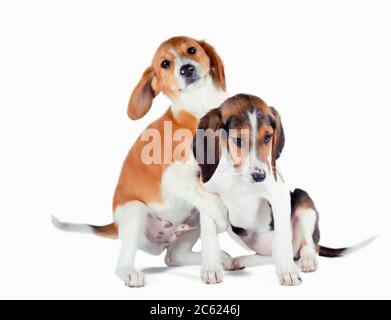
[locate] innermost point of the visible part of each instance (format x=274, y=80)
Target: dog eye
x=237, y=141
x=267, y=138
x=165, y=64
x=191, y=50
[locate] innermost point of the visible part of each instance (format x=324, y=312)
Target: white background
x=67, y=69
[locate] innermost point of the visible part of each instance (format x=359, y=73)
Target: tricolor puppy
x=237, y=146
x=161, y=204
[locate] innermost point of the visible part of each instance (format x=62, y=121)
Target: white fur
x=71, y=227
x=131, y=219
x=306, y=220
x=199, y=98
x=360, y=245
x=253, y=123
x=255, y=162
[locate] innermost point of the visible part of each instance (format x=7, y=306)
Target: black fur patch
x=202, y=146
x=239, y=231
x=271, y=224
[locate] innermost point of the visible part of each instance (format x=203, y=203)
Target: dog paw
x=308, y=260
x=233, y=264
x=131, y=277
x=289, y=279
x=212, y=275
x=289, y=276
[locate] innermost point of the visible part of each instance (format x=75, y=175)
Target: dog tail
x=106, y=231
x=340, y=252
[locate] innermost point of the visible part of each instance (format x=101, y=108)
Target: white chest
x=201, y=99
x=247, y=209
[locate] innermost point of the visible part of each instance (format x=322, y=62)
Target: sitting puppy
x=237, y=146
x=161, y=205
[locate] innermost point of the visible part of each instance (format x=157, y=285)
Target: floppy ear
x=278, y=140
x=216, y=64
x=142, y=96
x=206, y=143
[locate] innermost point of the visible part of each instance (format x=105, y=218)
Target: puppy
x=237, y=146
x=161, y=204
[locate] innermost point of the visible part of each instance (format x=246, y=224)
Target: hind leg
x=305, y=230
x=131, y=220
x=180, y=253
x=308, y=250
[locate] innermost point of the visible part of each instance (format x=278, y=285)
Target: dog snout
x=187, y=70
x=258, y=175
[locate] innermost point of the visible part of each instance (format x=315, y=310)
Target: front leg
x=212, y=271
x=183, y=181
x=282, y=251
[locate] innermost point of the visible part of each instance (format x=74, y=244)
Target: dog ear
x=206, y=143
x=142, y=96
x=216, y=64
x=278, y=140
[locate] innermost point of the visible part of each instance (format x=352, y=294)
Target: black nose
x=259, y=175
x=187, y=70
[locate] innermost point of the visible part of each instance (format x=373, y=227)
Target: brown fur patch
x=265, y=149
x=108, y=231
x=139, y=181
x=304, y=243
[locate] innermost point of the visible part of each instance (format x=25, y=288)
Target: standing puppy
x=237, y=147
x=157, y=201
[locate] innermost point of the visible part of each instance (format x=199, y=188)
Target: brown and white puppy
x=157, y=203
x=237, y=146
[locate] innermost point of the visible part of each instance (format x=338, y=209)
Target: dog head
x=180, y=64
x=248, y=131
